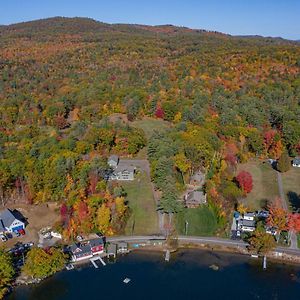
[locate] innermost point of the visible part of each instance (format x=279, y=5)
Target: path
x=293, y=236
x=199, y=240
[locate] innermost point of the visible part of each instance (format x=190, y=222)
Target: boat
x=126, y=280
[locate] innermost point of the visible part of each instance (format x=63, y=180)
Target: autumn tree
x=245, y=182
x=261, y=242
x=284, y=163
x=182, y=164
x=41, y=263
x=278, y=216
x=6, y=272
x=294, y=222
x=103, y=218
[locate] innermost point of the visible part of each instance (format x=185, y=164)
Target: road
x=199, y=240
x=293, y=236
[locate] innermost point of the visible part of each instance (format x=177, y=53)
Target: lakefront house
x=86, y=249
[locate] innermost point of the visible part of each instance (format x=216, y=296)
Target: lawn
x=291, y=186
x=265, y=186
x=143, y=219
x=202, y=221
x=149, y=125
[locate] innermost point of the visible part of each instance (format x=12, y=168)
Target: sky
x=238, y=17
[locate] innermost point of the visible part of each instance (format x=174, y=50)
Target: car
x=238, y=233
x=3, y=238
x=79, y=238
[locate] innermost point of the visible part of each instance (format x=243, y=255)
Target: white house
x=120, y=169
x=296, y=162
x=10, y=222
x=249, y=216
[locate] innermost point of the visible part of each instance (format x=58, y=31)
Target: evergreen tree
x=284, y=163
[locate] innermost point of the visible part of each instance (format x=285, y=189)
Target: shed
x=122, y=247
x=195, y=198
x=113, y=161
x=296, y=162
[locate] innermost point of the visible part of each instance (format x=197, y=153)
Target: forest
x=227, y=99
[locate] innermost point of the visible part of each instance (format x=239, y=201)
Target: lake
x=188, y=275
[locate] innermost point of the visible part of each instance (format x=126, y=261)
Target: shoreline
x=233, y=250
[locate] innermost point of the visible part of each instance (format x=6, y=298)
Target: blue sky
x=263, y=17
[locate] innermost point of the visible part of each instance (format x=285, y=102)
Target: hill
x=226, y=98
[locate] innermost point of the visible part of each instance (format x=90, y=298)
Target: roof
x=249, y=215
x=296, y=160
x=111, y=248
x=2, y=228
x=196, y=196
x=198, y=176
x=122, y=244
x=85, y=247
x=96, y=242
x=124, y=167
x=114, y=158
x=7, y=217
x=248, y=223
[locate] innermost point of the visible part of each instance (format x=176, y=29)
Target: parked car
x=3, y=238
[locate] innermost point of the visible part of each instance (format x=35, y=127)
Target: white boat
x=126, y=280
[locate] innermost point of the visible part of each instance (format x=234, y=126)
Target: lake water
x=187, y=276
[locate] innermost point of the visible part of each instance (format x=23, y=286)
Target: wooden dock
x=167, y=257
x=94, y=259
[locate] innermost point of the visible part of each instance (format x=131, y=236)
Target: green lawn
x=143, y=219
x=149, y=125
x=265, y=185
x=291, y=186
x=202, y=221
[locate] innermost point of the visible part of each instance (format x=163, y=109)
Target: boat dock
x=167, y=257
x=94, y=259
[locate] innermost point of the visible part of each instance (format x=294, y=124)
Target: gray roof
x=249, y=215
x=114, y=158
x=248, y=223
x=86, y=246
x=198, y=176
x=196, y=197
x=2, y=228
x=296, y=160
x=122, y=168
x=7, y=217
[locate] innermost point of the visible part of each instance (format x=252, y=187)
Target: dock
x=265, y=263
x=94, y=259
x=167, y=257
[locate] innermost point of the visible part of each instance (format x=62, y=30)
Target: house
x=122, y=247
x=86, y=249
x=123, y=172
x=247, y=225
x=194, y=199
x=249, y=216
x=113, y=161
x=11, y=221
x=121, y=169
x=197, y=179
x=296, y=162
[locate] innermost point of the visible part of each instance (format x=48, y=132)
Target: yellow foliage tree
x=120, y=206
x=103, y=218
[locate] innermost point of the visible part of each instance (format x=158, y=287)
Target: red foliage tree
x=93, y=179
x=64, y=212
x=82, y=210
x=159, y=113
x=245, y=181
x=294, y=222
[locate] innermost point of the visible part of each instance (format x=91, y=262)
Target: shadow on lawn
x=294, y=199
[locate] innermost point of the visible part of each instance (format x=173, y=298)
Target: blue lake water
x=187, y=276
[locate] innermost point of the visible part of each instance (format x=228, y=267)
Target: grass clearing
x=143, y=219
x=291, y=186
x=202, y=221
x=265, y=186
x=149, y=125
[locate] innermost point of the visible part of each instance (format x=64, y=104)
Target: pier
x=94, y=259
x=265, y=263
x=167, y=257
